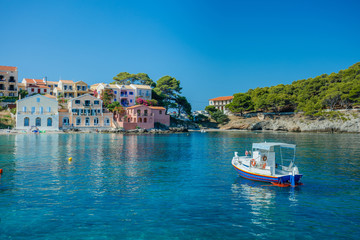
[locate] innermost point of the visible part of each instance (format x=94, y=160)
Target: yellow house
x=80, y=88
x=8, y=81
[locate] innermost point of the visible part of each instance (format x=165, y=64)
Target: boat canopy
x=270, y=145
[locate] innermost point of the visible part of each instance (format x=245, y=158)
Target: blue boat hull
x=263, y=178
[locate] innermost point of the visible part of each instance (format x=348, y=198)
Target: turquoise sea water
x=179, y=186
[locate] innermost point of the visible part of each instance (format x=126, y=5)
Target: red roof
x=222, y=98
x=34, y=81
x=7, y=68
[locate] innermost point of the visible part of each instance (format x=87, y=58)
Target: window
x=78, y=121
x=131, y=100
x=87, y=102
x=107, y=121
x=32, y=110
x=55, y=85
x=24, y=109
x=11, y=79
x=87, y=121
x=38, y=122
x=49, y=109
x=70, y=87
x=65, y=121
x=160, y=112
x=140, y=92
x=65, y=87
x=99, y=111
x=49, y=122
x=38, y=100
x=145, y=112
x=115, y=92
x=84, y=88
x=65, y=94
x=78, y=88
x=140, y=120
x=96, y=102
x=145, y=120
x=77, y=101
x=131, y=93
x=26, y=122
x=41, y=110
x=33, y=90
x=96, y=121
x=44, y=90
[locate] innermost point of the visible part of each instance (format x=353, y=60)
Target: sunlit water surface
x=179, y=186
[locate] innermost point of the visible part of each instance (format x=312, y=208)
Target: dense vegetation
x=337, y=90
x=217, y=115
x=166, y=91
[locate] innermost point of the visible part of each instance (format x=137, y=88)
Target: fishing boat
x=269, y=162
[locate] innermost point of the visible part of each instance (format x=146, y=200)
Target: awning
x=270, y=145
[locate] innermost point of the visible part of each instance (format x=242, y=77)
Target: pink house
x=142, y=116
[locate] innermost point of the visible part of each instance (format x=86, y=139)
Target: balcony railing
x=86, y=114
x=87, y=105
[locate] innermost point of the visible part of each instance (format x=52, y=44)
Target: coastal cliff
x=344, y=121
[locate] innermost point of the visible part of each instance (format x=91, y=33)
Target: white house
x=221, y=102
x=37, y=111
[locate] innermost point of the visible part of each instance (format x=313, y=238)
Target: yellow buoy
x=70, y=159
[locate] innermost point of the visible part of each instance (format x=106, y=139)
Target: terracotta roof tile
x=158, y=108
x=49, y=96
x=135, y=106
x=34, y=81
x=8, y=68
x=222, y=98
x=67, y=81
x=40, y=86
x=141, y=86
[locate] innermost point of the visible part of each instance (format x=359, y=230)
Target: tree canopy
x=216, y=114
x=337, y=90
x=166, y=91
x=125, y=78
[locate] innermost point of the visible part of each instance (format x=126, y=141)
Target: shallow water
x=179, y=186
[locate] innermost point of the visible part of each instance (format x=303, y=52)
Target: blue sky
x=215, y=48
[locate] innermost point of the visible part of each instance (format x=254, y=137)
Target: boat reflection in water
x=263, y=202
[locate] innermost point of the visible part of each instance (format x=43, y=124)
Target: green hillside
x=337, y=90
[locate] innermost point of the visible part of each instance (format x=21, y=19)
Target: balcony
x=87, y=105
x=12, y=89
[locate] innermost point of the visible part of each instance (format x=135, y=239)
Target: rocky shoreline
x=344, y=122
